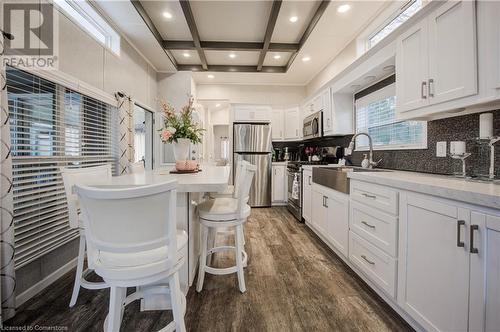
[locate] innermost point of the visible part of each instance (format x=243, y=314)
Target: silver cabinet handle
x=422, y=90
x=281, y=133
x=309, y=180
x=431, y=87
x=367, y=224
x=325, y=199
x=297, y=132
x=460, y=223
x=369, y=196
x=472, y=229
x=367, y=260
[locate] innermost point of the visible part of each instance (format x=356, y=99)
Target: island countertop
x=210, y=179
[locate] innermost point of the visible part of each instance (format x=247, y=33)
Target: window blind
x=51, y=126
x=376, y=115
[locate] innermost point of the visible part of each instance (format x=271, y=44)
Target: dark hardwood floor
x=294, y=283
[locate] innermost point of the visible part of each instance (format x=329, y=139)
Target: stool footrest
x=227, y=270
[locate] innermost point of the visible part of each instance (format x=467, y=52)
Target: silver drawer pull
x=369, y=196
x=368, y=225
x=367, y=260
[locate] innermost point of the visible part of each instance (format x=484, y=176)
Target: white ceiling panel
x=291, y=32
x=241, y=58
x=231, y=20
x=192, y=59
x=173, y=28
x=272, y=59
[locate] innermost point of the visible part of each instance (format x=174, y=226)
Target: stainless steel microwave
x=313, y=126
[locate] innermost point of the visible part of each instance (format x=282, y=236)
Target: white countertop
x=476, y=193
x=310, y=167
x=279, y=162
x=210, y=179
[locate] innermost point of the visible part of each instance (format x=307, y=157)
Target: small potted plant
x=181, y=130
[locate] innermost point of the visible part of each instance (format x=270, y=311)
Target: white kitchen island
x=190, y=191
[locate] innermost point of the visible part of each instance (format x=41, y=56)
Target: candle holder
x=461, y=157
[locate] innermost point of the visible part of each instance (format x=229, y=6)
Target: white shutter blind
x=51, y=126
x=376, y=115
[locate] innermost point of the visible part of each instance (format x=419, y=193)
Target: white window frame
x=387, y=21
x=376, y=96
x=86, y=17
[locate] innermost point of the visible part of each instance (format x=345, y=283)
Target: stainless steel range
x=294, y=170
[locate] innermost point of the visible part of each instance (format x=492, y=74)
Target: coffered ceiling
x=241, y=41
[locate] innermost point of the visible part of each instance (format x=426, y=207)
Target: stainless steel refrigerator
x=252, y=142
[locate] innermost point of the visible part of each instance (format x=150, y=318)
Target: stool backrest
x=137, y=167
x=247, y=173
x=237, y=176
x=81, y=176
x=130, y=220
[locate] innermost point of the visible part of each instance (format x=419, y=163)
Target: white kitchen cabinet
x=433, y=275
x=278, y=184
x=252, y=113
x=306, y=194
x=277, y=124
x=484, y=312
x=292, y=116
x=452, y=52
x=436, y=58
x=330, y=217
x=338, y=117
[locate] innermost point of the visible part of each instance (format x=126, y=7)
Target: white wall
x=175, y=88
x=85, y=59
x=252, y=94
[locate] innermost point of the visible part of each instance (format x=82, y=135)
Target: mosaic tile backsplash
x=461, y=128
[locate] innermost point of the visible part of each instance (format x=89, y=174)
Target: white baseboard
x=44, y=283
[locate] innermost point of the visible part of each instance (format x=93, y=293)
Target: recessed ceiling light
x=355, y=87
x=293, y=19
x=277, y=56
x=167, y=15
x=343, y=8
x=186, y=54
x=389, y=68
x=210, y=76
x=217, y=105
x=232, y=55
x=306, y=58
x=370, y=78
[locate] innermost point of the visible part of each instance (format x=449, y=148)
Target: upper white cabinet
x=292, y=123
x=277, y=125
x=338, y=117
x=436, y=58
x=252, y=113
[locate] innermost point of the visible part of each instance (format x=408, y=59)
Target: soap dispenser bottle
x=365, y=163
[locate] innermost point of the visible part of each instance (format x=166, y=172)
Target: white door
x=484, y=305
x=337, y=227
x=306, y=194
x=412, y=68
x=433, y=267
x=318, y=213
x=278, y=188
x=452, y=52
x=292, y=123
x=277, y=124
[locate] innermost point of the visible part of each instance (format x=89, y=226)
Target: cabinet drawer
x=374, y=263
x=375, y=226
x=374, y=195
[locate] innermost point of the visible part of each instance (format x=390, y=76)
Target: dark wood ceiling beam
x=273, y=17
x=149, y=23
x=229, y=46
x=310, y=27
x=188, y=14
x=233, y=69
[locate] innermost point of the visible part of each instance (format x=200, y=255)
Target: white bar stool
x=223, y=213
x=133, y=242
x=137, y=167
x=82, y=176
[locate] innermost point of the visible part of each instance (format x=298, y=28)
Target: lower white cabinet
x=330, y=217
x=484, y=308
x=306, y=194
x=278, y=189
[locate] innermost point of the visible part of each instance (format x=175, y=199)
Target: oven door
x=290, y=176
